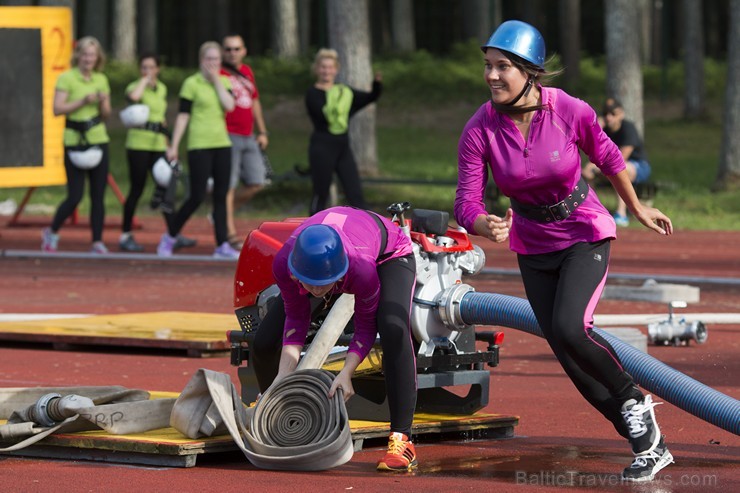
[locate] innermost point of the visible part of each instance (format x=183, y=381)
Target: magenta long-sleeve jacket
x=541, y=171
x=361, y=239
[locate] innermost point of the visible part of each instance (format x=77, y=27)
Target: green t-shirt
x=207, y=126
x=138, y=139
x=74, y=84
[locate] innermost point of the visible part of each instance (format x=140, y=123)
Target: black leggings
x=397, y=280
x=140, y=164
x=563, y=288
x=202, y=164
x=76, y=187
x=328, y=153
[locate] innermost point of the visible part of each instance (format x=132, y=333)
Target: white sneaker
x=49, y=240
x=224, y=250
x=98, y=247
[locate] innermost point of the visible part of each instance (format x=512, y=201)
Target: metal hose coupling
x=448, y=304
x=51, y=409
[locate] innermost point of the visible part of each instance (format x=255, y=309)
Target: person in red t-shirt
x=247, y=163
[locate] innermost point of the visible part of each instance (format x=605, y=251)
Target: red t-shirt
x=241, y=120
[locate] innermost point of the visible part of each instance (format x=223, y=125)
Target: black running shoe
x=646, y=466
x=643, y=428
x=130, y=245
x=184, y=242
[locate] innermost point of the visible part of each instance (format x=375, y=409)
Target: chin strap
x=510, y=108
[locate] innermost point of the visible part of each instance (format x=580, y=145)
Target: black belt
x=383, y=237
x=554, y=212
x=157, y=127
x=82, y=126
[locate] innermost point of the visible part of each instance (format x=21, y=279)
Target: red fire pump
x=446, y=355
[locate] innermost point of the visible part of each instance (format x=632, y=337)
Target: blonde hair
x=208, y=45
x=325, y=53
x=86, y=42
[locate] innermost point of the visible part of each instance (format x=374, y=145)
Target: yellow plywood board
x=159, y=326
x=173, y=439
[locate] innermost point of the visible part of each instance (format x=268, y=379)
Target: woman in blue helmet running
x=530, y=136
x=348, y=250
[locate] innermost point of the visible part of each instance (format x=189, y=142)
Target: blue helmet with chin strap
x=521, y=39
x=318, y=257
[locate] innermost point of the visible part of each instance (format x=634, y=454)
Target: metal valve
x=677, y=332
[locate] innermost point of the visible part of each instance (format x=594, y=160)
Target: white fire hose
x=294, y=426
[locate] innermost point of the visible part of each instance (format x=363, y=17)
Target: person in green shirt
x=145, y=145
x=205, y=98
x=82, y=95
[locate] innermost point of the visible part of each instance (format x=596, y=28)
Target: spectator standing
x=330, y=106
x=205, y=98
x=247, y=164
x=145, y=145
x=82, y=95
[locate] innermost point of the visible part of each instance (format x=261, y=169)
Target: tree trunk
x=304, y=26
x=124, y=30
x=645, y=29
x=147, y=22
x=221, y=19
x=476, y=16
x=403, y=32
x=95, y=22
x=657, y=49
x=284, y=15
x=623, y=70
x=570, y=40
x=693, y=58
x=349, y=34
x=728, y=174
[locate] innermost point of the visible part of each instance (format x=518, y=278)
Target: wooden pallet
x=198, y=334
x=168, y=448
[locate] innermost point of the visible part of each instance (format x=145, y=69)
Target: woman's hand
x=342, y=381
x=653, y=219
x=93, y=97
x=211, y=71
x=493, y=227
x=171, y=153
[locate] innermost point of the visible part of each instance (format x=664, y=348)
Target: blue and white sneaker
x=646, y=466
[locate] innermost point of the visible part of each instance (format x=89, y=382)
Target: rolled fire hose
x=294, y=426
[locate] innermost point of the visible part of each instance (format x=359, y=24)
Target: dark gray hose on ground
x=675, y=387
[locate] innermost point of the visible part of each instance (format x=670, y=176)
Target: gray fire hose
x=295, y=426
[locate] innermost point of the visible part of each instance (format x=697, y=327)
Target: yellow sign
x=35, y=48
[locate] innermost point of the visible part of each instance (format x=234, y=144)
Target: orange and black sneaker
x=401, y=455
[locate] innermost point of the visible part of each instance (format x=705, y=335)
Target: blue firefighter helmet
x=521, y=39
x=318, y=257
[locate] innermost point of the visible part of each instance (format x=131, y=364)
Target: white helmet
x=162, y=171
x=135, y=115
x=87, y=158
